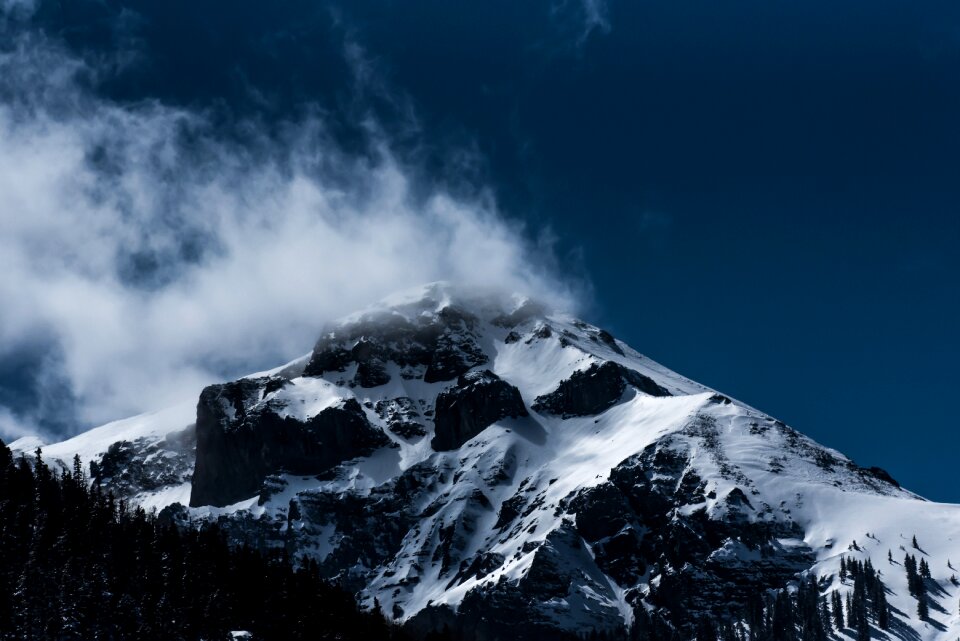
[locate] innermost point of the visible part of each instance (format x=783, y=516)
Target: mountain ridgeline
x=475, y=466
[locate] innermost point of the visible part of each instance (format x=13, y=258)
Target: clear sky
x=763, y=195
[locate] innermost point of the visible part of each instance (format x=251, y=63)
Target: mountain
x=475, y=460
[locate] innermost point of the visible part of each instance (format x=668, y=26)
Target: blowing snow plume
x=144, y=253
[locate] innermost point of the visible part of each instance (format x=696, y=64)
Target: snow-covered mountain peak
x=429, y=303
x=476, y=459
x=433, y=297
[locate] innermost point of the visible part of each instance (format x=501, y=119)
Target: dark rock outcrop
x=369, y=527
x=130, y=467
x=439, y=348
x=594, y=390
x=607, y=338
x=641, y=519
x=478, y=400
x=401, y=416
x=561, y=570
x=240, y=442
x=881, y=474
x=527, y=311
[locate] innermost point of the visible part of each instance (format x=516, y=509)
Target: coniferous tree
x=859, y=607
x=826, y=617
x=916, y=585
x=837, y=611
x=913, y=579
x=782, y=625
x=807, y=611
x=883, y=611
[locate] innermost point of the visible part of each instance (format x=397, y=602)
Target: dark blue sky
x=764, y=195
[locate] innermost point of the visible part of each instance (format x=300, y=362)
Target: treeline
x=76, y=564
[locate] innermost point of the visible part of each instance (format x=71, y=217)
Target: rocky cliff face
x=435, y=348
x=592, y=390
x=477, y=401
x=475, y=461
x=240, y=439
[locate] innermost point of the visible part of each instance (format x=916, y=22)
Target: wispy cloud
x=580, y=19
x=151, y=255
x=596, y=17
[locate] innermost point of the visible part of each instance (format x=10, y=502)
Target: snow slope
x=92, y=444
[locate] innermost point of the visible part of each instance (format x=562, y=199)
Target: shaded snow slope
x=614, y=486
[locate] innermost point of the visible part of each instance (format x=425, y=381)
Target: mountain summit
x=477, y=461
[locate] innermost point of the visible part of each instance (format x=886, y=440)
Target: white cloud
x=13, y=427
x=157, y=256
x=595, y=17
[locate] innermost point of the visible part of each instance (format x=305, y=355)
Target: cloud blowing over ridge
x=144, y=254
